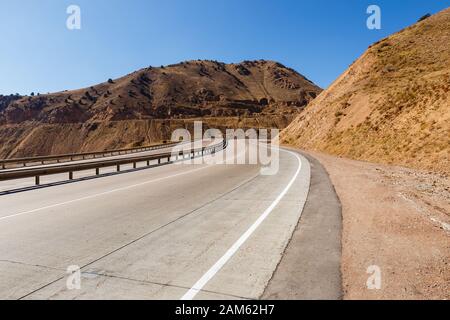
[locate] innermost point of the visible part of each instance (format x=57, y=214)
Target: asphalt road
x=180, y=231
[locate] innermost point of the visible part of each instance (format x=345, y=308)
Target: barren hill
x=145, y=106
x=391, y=106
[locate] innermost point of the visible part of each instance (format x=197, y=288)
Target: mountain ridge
x=256, y=93
x=390, y=106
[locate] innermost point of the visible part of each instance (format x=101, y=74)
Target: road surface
x=180, y=231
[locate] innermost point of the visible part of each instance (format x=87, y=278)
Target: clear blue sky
x=318, y=38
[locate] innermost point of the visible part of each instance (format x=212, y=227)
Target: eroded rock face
x=184, y=88
x=5, y=101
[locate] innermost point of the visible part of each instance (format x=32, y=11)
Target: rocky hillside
x=145, y=106
x=391, y=106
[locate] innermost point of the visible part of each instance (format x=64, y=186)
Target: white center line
x=198, y=286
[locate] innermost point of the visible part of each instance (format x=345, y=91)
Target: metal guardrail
x=80, y=156
x=97, y=165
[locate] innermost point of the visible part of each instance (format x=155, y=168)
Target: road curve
x=17, y=185
x=178, y=231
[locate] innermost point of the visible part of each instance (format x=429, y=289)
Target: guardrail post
x=118, y=168
x=37, y=180
x=148, y=163
x=159, y=161
x=134, y=165
x=97, y=171
x=71, y=175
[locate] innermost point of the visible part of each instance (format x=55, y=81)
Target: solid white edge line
x=198, y=286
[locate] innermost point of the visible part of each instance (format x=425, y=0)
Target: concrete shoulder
x=311, y=264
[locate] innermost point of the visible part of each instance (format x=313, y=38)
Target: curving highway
x=179, y=231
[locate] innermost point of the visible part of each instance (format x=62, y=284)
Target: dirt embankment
x=397, y=219
x=391, y=106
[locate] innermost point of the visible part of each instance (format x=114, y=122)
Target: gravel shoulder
x=310, y=267
x=397, y=219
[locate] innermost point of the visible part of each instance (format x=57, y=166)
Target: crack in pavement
x=107, y=275
x=32, y=265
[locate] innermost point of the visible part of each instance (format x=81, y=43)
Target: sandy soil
x=397, y=219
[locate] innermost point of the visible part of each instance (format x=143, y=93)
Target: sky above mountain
x=318, y=38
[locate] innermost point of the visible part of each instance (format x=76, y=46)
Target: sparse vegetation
x=398, y=88
x=424, y=17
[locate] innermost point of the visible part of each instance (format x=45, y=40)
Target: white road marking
x=100, y=194
x=198, y=286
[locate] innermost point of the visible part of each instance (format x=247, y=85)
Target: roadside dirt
x=397, y=219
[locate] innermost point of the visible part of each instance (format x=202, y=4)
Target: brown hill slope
x=391, y=106
x=145, y=106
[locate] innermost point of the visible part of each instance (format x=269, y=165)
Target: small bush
x=88, y=95
x=424, y=17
